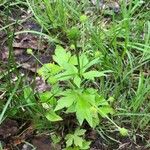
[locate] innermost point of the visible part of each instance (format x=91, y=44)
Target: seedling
x=76, y=141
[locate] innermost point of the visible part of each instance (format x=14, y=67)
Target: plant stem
x=77, y=55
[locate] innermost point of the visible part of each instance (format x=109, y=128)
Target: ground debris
x=8, y=128
x=25, y=41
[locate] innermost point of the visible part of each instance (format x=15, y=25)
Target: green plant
x=75, y=96
x=76, y=140
x=116, y=42
x=55, y=138
x=70, y=93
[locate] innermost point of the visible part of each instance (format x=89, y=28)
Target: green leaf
x=29, y=95
x=61, y=56
x=78, y=141
x=83, y=111
x=71, y=69
x=64, y=102
x=45, y=96
x=77, y=81
x=71, y=109
x=90, y=98
x=73, y=33
x=54, y=69
x=56, y=89
x=123, y=131
x=47, y=99
x=101, y=101
x=48, y=71
x=64, y=76
x=73, y=60
x=91, y=91
x=83, y=60
x=46, y=106
x=55, y=138
x=105, y=110
x=52, y=116
x=92, y=74
x=52, y=80
x=80, y=132
x=70, y=72
x=70, y=139
x=68, y=136
x=67, y=92
x=69, y=142
x=86, y=145
x=91, y=63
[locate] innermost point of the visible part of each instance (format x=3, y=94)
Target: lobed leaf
x=61, y=56
x=52, y=116
x=64, y=102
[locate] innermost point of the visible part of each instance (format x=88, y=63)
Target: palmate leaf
x=71, y=109
x=54, y=69
x=78, y=102
x=68, y=98
x=49, y=68
x=83, y=112
x=76, y=138
x=103, y=106
x=85, y=104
